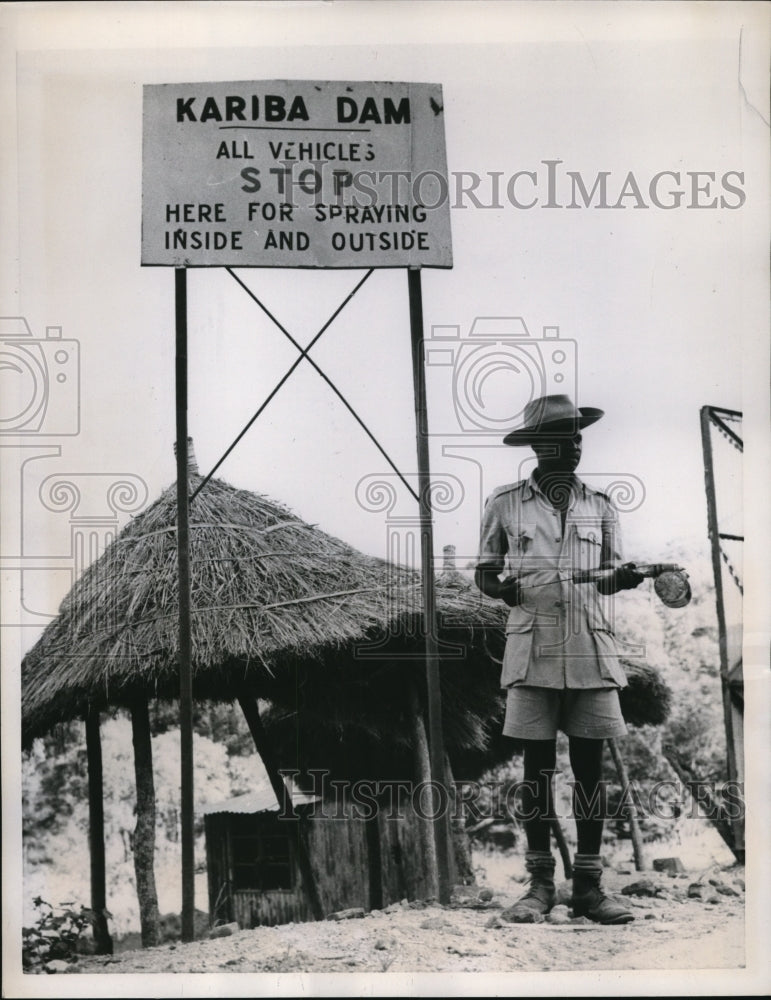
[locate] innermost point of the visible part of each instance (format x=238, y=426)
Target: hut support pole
x=422, y=770
x=252, y=715
x=436, y=738
x=634, y=823
x=464, y=868
x=185, y=668
x=102, y=938
x=374, y=862
x=144, y=831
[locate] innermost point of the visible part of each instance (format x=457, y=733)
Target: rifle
x=670, y=581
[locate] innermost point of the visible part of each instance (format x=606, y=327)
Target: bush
x=56, y=934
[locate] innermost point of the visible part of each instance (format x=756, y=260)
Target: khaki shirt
x=562, y=635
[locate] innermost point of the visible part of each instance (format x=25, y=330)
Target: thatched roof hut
x=278, y=608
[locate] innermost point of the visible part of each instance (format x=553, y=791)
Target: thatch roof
x=275, y=602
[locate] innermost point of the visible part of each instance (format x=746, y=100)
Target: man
x=560, y=666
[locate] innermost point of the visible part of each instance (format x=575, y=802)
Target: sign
x=284, y=173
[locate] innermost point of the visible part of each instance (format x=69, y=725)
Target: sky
x=664, y=309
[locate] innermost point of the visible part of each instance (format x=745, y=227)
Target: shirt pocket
x=605, y=646
x=521, y=545
x=588, y=545
x=521, y=619
x=594, y=608
x=519, y=646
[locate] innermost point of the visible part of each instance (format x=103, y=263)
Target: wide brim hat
x=552, y=415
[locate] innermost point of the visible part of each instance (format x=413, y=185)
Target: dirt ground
x=671, y=930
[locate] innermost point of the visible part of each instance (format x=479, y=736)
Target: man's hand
x=507, y=590
x=510, y=591
x=624, y=577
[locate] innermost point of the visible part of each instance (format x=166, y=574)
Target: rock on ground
x=689, y=933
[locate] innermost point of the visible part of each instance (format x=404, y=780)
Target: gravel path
x=671, y=930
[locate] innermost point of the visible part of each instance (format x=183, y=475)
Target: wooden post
x=736, y=825
x=562, y=847
x=102, y=938
x=185, y=668
x=634, y=823
x=441, y=823
x=252, y=715
x=422, y=774
x=144, y=831
x=460, y=862
x=374, y=862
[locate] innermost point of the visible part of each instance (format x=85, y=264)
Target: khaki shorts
x=537, y=713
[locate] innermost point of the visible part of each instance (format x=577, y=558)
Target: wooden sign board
x=285, y=173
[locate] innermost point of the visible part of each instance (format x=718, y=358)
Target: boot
x=540, y=896
x=588, y=898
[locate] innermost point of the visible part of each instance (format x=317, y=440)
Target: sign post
x=187, y=838
x=308, y=174
x=435, y=735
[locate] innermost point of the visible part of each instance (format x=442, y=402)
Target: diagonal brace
x=302, y=354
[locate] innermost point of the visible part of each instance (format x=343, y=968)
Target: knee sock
x=588, y=792
x=540, y=761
